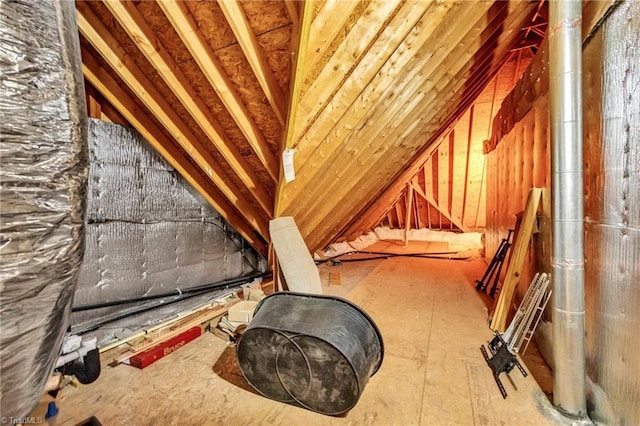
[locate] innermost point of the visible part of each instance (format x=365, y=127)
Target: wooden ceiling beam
x=138, y=30
x=400, y=102
x=104, y=83
x=351, y=107
x=325, y=28
x=186, y=27
x=292, y=10
x=241, y=28
x=118, y=59
x=416, y=163
x=358, y=42
x=295, y=85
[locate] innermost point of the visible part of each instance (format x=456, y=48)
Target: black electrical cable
x=177, y=292
x=230, y=283
x=387, y=256
x=383, y=255
x=142, y=309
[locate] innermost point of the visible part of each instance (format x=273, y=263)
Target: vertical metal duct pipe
x=565, y=84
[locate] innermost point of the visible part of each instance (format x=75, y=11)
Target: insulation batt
x=42, y=191
x=148, y=232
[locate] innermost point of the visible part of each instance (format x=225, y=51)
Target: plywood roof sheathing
x=363, y=90
x=111, y=90
x=236, y=18
x=133, y=23
x=181, y=20
x=118, y=59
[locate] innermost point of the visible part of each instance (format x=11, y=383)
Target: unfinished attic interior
x=320, y=212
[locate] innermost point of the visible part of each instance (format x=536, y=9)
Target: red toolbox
x=163, y=349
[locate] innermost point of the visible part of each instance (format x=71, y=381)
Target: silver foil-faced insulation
x=612, y=226
x=148, y=232
x=42, y=191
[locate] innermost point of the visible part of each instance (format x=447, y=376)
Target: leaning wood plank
x=516, y=262
x=241, y=28
x=118, y=59
x=134, y=24
x=126, y=106
x=192, y=37
x=299, y=270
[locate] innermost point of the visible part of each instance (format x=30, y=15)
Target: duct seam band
x=573, y=264
x=567, y=23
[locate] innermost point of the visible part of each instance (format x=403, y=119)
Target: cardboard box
x=242, y=311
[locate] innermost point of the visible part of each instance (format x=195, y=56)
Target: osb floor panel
x=432, y=321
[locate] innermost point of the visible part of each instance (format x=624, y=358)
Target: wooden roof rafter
x=127, y=107
x=295, y=85
x=445, y=212
x=186, y=27
x=377, y=211
x=335, y=129
x=393, y=117
x=119, y=61
x=322, y=234
x=324, y=28
x=134, y=24
x=241, y=28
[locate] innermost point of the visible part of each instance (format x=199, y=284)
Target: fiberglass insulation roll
x=42, y=191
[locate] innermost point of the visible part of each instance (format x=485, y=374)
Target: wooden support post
x=452, y=146
x=407, y=222
x=416, y=212
x=94, y=109
x=466, y=164
x=398, y=214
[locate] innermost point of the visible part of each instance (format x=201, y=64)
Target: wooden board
x=335, y=280
x=516, y=261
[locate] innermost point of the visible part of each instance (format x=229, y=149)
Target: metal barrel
x=317, y=352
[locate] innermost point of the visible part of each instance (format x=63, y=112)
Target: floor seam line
x=426, y=363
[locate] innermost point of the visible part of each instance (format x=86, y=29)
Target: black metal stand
x=495, y=267
x=502, y=360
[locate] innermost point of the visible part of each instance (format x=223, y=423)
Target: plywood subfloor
x=432, y=321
